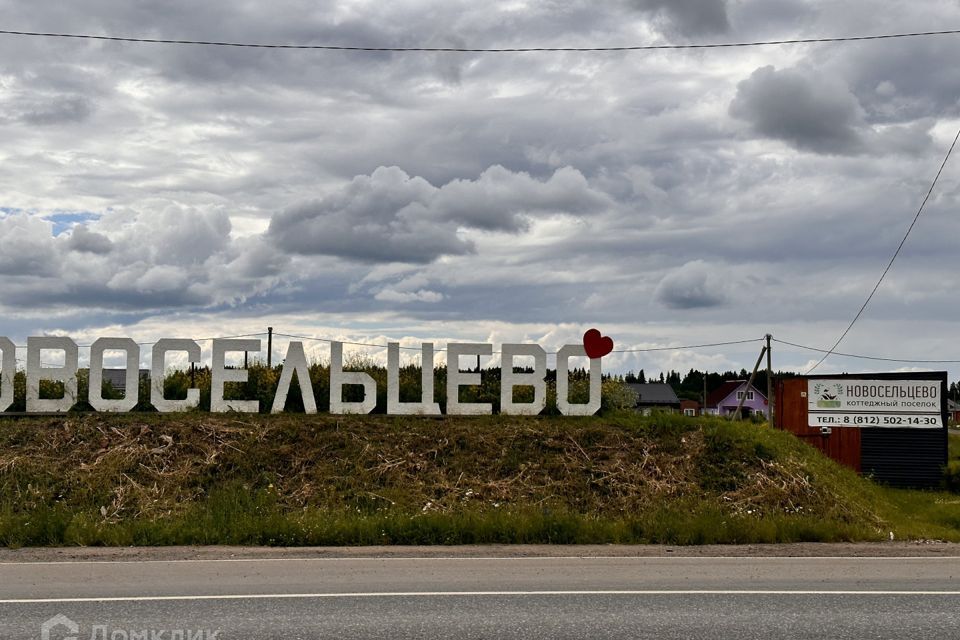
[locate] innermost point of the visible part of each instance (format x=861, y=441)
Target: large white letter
x=295, y=362
x=66, y=374
x=95, y=392
x=426, y=406
x=563, y=400
x=158, y=373
x=339, y=378
x=9, y=364
x=509, y=380
x=457, y=379
x=220, y=374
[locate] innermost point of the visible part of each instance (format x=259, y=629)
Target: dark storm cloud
x=689, y=17
x=809, y=112
x=763, y=17
x=902, y=84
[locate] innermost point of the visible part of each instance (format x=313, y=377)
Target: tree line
x=690, y=385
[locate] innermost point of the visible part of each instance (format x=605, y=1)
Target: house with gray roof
x=655, y=396
x=118, y=378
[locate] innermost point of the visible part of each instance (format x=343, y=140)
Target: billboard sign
x=846, y=402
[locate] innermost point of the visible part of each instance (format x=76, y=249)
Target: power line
x=327, y=47
x=863, y=357
x=243, y=335
x=383, y=346
x=355, y=344
x=691, y=346
x=895, y=254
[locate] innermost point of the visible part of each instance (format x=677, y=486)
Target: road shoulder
x=134, y=554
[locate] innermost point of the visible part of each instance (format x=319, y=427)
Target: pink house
x=723, y=400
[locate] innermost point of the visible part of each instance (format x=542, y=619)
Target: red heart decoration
x=596, y=345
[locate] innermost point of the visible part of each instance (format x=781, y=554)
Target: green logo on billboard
x=828, y=395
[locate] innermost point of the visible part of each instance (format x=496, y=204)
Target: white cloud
x=390, y=216
x=27, y=247
x=694, y=285
x=422, y=295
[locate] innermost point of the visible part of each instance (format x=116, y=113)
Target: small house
x=723, y=400
x=690, y=408
x=655, y=396
x=118, y=378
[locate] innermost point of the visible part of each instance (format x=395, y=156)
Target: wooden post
x=736, y=414
x=269, y=347
x=769, y=385
x=703, y=408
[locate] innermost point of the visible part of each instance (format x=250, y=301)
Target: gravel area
x=813, y=549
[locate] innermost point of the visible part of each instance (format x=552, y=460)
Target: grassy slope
x=294, y=479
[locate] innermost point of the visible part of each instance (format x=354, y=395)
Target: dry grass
x=132, y=469
x=146, y=466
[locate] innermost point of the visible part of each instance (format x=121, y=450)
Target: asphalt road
x=477, y=597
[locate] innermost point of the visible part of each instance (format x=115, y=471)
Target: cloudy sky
x=668, y=198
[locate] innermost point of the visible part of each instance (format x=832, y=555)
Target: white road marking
x=424, y=594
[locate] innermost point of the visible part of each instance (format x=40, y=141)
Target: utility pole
x=269, y=347
x=703, y=408
x=769, y=385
